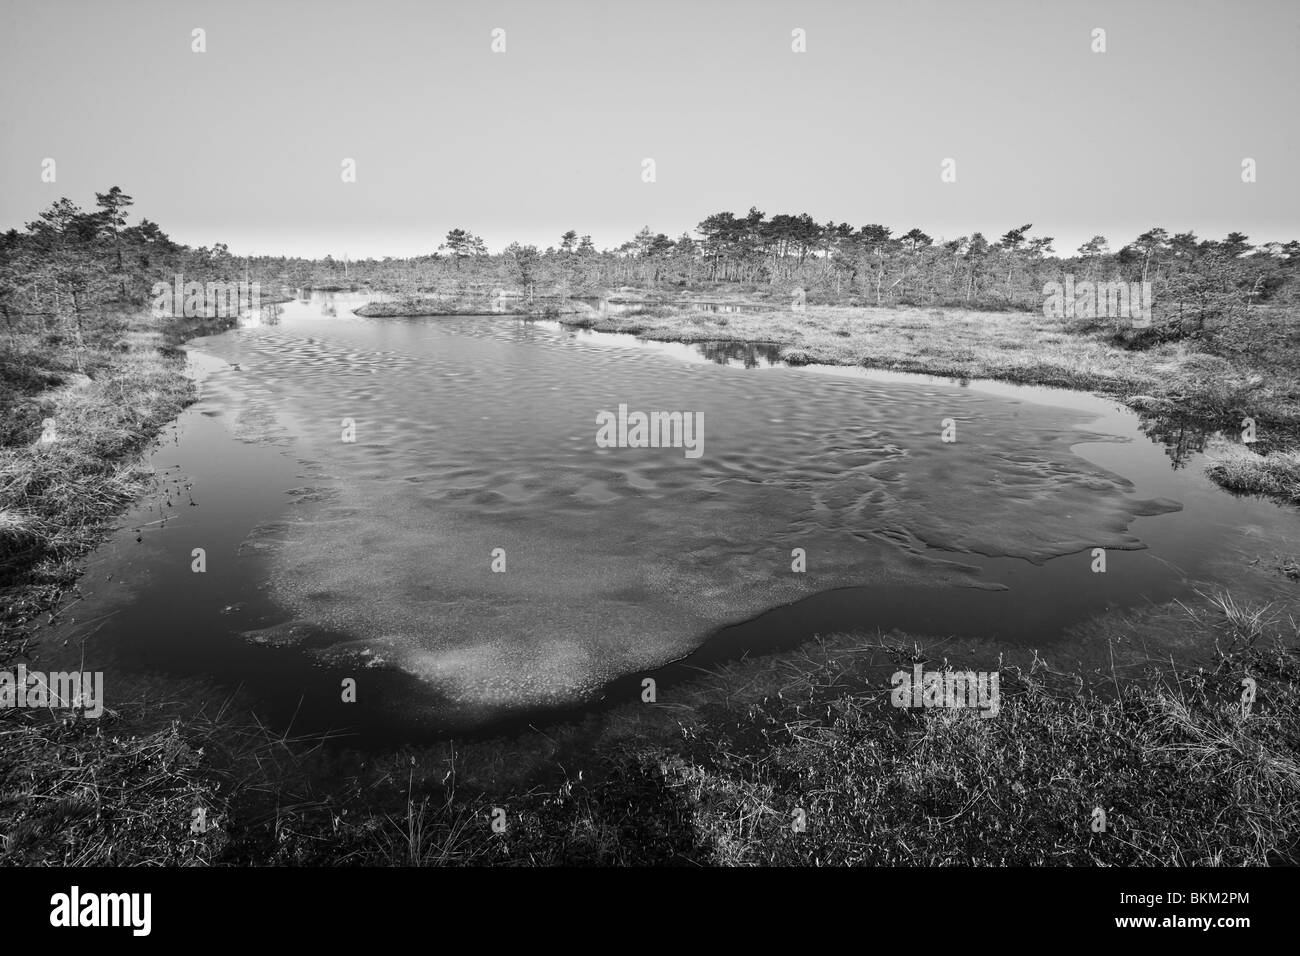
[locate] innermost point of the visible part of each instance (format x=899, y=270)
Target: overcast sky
x=244, y=143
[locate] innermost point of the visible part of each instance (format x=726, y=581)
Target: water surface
x=372, y=559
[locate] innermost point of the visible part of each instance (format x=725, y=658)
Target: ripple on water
x=619, y=560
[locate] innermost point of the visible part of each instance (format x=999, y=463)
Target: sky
x=245, y=143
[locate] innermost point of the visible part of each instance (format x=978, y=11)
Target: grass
x=57, y=496
x=1023, y=347
x=69, y=795
x=462, y=305
x=1185, y=775
x=1275, y=474
x=142, y=785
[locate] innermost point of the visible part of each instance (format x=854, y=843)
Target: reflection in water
x=617, y=305
x=473, y=435
x=266, y=315
x=727, y=307
x=1182, y=439
x=374, y=555
x=746, y=354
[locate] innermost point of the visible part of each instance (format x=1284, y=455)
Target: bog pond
x=422, y=505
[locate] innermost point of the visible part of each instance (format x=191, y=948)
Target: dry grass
x=1023, y=347
x=1185, y=775
x=57, y=496
x=127, y=788
x=1184, y=778
x=1276, y=474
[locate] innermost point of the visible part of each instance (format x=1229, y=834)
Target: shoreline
x=1194, y=388
x=710, y=741
x=64, y=495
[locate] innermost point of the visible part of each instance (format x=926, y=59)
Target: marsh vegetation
x=713, y=774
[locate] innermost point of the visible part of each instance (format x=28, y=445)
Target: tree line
x=70, y=264
x=64, y=271
x=1192, y=279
